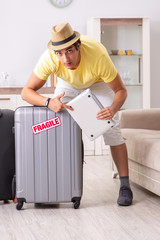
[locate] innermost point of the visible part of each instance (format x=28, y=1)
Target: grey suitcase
x=49, y=164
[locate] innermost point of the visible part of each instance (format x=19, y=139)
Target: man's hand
x=56, y=105
x=105, y=113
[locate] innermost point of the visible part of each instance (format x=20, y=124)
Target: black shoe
x=125, y=196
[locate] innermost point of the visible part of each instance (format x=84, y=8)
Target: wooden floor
x=98, y=218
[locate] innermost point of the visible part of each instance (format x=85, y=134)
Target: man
x=81, y=62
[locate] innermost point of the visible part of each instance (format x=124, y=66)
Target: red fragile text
x=46, y=125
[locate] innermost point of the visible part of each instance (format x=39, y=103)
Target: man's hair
x=76, y=43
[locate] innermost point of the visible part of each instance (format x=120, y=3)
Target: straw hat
x=62, y=36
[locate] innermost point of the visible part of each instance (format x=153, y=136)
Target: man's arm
x=120, y=96
x=30, y=95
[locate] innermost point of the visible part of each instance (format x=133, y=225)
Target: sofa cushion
x=140, y=118
x=143, y=146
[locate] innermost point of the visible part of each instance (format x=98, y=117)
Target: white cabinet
x=89, y=146
x=13, y=101
x=96, y=147
x=20, y=102
x=8, y=101
x=127, y=34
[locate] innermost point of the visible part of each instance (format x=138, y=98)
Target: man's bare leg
x=120, y=157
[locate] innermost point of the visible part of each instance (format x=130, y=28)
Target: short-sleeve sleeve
x=46, y=65
x=106, y=69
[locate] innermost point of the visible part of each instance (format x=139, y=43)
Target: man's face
x=69, y=57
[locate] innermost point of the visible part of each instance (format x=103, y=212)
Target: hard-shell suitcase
x=86, y=105
x=7, y=155
x=49, y=161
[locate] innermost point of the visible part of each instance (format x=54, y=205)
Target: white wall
x=25, y=31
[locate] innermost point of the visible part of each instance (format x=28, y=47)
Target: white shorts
x=105, y=95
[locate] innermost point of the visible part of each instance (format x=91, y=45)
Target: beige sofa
x=141, y=129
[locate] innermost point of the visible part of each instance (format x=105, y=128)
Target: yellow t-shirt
x=95, y=65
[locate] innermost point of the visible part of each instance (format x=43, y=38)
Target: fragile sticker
x=46, y=125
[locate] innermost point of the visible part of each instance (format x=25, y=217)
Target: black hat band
x=64, y=41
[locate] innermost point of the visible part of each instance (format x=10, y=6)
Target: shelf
x=125, y=55
x=133, y=84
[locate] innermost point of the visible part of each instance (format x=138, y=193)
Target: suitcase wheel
x=76, y=205
x=76, y=202
x=19, y=205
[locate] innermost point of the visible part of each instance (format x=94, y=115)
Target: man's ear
x=78, y=46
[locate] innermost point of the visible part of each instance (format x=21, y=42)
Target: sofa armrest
x=140, y=118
